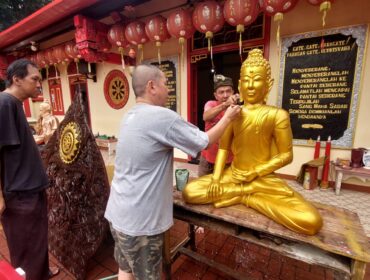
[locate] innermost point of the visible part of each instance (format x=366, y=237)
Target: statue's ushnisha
x=261, y=141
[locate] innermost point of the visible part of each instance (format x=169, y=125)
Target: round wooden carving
x=116, y=89
x=70, y=139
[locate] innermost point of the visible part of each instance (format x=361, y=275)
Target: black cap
x=221, y=81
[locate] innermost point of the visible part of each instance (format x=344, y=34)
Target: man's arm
x=223, y=152
x=211, y=113
x=216, y=132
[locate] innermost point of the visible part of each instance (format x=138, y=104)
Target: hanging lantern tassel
x=88, y=68
x=278, y=17
x=213, y=66
x=122, y=52
x=140, y=47
x=181, y=42
x=158, y=44
x=240, y=30
x=209, y=36
x=76, y=62
x=324, y=7
x=56, y=70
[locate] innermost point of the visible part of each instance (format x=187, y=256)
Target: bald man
x=46, y=124
x=139, y=208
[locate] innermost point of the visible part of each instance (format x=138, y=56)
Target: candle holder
x=356, y=157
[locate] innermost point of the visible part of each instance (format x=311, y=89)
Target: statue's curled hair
x=255, y=58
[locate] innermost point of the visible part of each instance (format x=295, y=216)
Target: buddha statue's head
x=45, y=108
x=255, y=78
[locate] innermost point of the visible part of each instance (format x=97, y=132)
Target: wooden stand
x=343, y=173
x=340, y=245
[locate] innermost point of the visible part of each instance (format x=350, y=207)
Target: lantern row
x=207, y=17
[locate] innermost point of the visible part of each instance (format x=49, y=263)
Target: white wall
x=305, y=18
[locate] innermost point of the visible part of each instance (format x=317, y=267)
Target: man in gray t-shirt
x=139, y=208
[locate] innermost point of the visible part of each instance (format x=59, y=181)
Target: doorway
x=225, y=63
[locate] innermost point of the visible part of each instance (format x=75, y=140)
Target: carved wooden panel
x=78, y=192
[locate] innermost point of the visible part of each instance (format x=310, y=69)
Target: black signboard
x=169, y=69
x=318, y=84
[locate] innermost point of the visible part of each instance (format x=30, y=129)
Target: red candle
x=325, y=173
x=317, y=148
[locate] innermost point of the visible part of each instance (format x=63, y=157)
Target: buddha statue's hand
x=215, y=190
x=244, y=176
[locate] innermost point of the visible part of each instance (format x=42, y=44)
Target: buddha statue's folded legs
x=293, y=212
x=269, y=195
x=196, y=191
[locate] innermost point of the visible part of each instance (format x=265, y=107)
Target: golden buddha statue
x=261, y=141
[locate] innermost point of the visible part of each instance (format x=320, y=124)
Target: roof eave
x=44, y=17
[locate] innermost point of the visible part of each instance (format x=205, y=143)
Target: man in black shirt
x=23, y=204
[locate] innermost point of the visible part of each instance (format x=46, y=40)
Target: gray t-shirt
x=140, y=201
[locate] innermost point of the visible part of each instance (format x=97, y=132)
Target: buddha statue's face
x=44, y=108
x=253, y=84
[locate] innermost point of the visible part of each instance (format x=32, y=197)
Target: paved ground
x=256, y=262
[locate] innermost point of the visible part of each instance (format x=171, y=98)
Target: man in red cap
x=213, y=112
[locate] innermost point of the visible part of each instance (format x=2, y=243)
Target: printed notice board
x=320, y=76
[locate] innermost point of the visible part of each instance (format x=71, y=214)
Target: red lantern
x=325, y=6
x=103, y=44
x=273, y=7
x=59, y=54
x=240, y=13
x=49, y=57
x=32, y=58
x=135, y=34
x=180, y=26
x=116, y=36
x=208, y=19
x=156, y=29
x=41, y=59
x=276, y=8
x=71, y=51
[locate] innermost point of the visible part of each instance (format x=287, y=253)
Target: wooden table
x=108, y=144
x=340, y=245
x=345, y=173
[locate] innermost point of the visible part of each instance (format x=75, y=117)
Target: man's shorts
x=140, y=255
